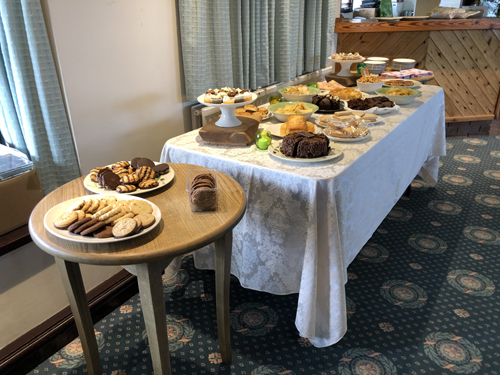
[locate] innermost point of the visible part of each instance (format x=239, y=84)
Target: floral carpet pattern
x=422, y=297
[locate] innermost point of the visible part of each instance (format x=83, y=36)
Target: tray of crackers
x=102, y=218
x=140, y=175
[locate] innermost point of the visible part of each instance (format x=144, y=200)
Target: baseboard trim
x=29, y=350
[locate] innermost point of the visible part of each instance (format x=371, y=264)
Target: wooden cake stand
x=229, y=129
x=241, y=135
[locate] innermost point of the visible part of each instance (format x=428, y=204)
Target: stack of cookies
x=106, y=217
x=125, y=177
x=203, y=193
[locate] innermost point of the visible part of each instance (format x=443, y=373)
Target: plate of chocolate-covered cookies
x=140, y=175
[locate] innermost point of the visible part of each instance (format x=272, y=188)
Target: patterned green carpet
x=421, y=297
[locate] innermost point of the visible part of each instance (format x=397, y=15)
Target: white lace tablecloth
x=305, y=224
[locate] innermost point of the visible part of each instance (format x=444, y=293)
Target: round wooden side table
x=179, y=232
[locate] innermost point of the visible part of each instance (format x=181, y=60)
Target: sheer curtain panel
x=35, y=121
x=252, y=43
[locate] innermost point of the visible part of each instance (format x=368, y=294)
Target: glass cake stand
x=227, y=118
x=345, y=70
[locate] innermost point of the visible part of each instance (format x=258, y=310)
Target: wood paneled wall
x=466, y=64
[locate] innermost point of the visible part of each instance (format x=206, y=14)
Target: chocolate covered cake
x=305, y=145
x=326, y=102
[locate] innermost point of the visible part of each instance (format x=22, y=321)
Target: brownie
x=305, y=145
x=364, y=104
x=326, y=102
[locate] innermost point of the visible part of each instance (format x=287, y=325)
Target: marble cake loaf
x=305, y=145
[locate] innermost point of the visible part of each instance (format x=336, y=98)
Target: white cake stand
x=345, y=70
x=227, y=118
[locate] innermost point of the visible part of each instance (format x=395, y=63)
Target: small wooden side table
x=179, y=232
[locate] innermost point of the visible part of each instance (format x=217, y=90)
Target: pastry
x=296, y=123
x=148, y=184
x=326, y=102
x=105, y=232
x=346, y=93
x=161, y=169
x=305, y=145
x=250, y=108
x=140, y=207
x=65, y=220
x=146, y=219
x=124, y=228
x=126, y=188
x=86, y=225
x=76, y=224
x=144, y=172
x=93, y=228
x=364, y=104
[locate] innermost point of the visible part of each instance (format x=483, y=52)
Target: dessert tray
x=94, y=187
x=349, y=140
x=378, y=121
x=228, y=118
x=375, y=110
x=415, y=83
x=275, y=129
x=56, y=211
x=275, y=151
x=345, y=70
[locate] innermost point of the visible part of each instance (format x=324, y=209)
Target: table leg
x=223, y=250
x=153, y=309
x=75, y=290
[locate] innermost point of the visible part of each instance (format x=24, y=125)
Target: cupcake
x=246, y=95
x=216, y=99
x=228, y=99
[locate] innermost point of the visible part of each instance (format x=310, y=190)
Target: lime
x=273, y=99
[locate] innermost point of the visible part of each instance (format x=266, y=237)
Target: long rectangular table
x=306, y=223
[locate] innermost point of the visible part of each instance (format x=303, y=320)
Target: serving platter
x=349, y=140
x=378, y=121
x=275, y=152
x=415, y=83
x=275, y=129
x=94, y=187
x=228, y=118
x=58, y=210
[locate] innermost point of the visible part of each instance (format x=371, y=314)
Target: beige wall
x=119, y=64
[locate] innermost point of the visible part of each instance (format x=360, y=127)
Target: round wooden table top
x=179, y=231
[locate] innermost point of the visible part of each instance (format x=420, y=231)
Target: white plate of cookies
x=131, y=181
x=102, y=218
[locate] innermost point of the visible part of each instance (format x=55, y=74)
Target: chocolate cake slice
x=305, y=145
x=290, y=143
x=326, y=102
x=313, y=147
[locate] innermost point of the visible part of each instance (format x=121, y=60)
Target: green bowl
x=299, y=98
x=282, y=116
x=399, y=99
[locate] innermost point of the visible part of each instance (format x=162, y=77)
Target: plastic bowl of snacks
x=369, y=83
x=284, y=109
x=399, y=95
x=300, y=93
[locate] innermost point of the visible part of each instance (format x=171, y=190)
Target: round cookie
x=93, y=228
x=146, y=219
x=88, y=224
x=76, y=224
x=124, y=228
x=65, y=220
x=161, y=169
x=105, y=232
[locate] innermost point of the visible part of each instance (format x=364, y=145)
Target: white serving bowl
x=385, y=59
x=369, y=87
x=376, y=67
x=403, y=64
x=283, y=116
x=399, y=99
x=299, y=98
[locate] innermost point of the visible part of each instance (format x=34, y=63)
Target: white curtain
x=252, y=43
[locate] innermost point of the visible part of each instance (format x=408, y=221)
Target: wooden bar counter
x=464, y=55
